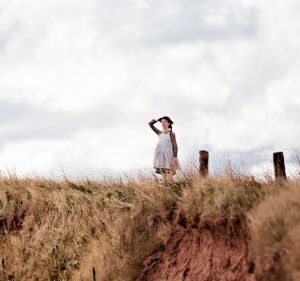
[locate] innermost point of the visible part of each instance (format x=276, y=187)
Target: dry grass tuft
x=275, y=232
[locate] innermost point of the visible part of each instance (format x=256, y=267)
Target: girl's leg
x=168, y=178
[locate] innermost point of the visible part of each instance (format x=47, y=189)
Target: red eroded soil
x=209, y=248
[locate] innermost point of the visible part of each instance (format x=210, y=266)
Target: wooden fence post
x=279, y=166
x=203, y=169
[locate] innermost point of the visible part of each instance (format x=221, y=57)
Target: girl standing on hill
x=165, y=160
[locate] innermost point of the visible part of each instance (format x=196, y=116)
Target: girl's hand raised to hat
x=153, y=121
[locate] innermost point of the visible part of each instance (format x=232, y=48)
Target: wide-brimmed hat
x=167, y=118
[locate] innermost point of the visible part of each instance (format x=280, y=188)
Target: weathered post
x=203, y=169
x=279, y=166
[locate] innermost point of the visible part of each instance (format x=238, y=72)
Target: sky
x=81, y=79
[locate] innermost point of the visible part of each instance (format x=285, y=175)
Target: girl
x=165, y=160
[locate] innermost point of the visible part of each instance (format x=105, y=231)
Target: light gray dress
x=163, y=153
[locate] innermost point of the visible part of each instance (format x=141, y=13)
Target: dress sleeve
x=174, y=144
x=151, y=124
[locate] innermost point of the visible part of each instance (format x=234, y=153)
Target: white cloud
x=81, y=79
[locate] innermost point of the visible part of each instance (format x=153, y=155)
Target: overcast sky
x=81, y=79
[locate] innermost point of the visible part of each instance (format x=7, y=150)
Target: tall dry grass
x=63, y=229
x=60, y=230
x=275, y=234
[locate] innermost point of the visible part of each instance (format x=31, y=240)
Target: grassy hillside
x=85, y=229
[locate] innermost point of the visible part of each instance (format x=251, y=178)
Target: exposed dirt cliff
x=211, y=247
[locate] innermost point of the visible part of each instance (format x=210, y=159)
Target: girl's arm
x=174, y=144
x=151, y=124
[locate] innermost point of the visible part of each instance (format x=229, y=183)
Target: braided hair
x=170, y=126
